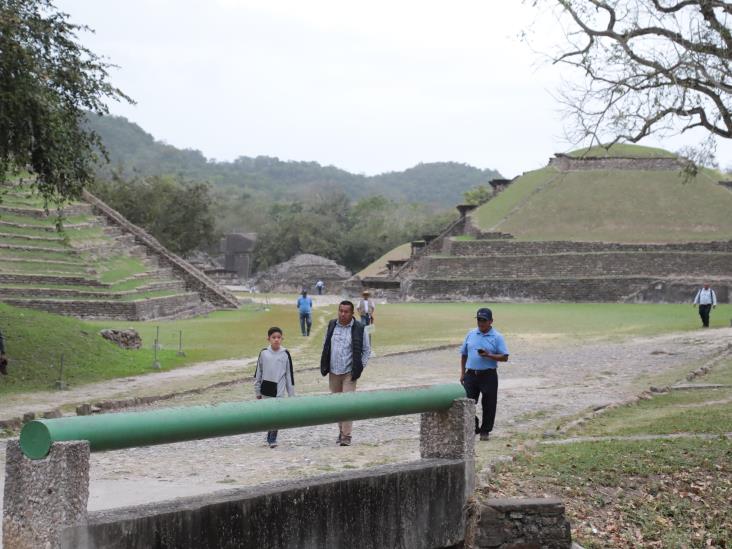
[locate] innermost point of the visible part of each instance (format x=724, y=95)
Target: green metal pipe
x=126, y=430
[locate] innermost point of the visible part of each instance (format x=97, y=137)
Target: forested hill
x=133, y=152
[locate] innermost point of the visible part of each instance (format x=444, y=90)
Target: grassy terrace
x=622, y=150
x=617, y=206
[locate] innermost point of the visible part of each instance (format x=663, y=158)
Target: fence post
x=450, y=434
x=43, y=497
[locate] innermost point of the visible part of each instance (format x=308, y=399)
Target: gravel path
x=543, y=382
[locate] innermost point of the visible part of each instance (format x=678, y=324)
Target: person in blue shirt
x=305, y=307
x=482, y=350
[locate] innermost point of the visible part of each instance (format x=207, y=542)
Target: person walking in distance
x=707, y=300
x=366, y=309
x=480, y=353
x=319, y=285
x=305, y=308
x=345, y=354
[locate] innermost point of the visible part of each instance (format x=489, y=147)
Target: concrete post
x=450, y=434
x=44, y=496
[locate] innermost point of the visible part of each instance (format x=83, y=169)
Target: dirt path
x=541, y=384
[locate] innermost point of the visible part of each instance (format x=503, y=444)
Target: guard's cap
x=484, y=313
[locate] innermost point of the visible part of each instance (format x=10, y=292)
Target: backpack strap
x=292, y=371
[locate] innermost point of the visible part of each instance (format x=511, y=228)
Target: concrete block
x=44, y=496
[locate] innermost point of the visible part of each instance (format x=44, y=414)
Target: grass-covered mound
x=611, y=205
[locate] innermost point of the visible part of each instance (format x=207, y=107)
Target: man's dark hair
x=273, y=330
x=349, y=303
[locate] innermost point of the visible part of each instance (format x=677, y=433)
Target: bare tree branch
x=648, y=66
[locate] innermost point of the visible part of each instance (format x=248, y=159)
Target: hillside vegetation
x=613, y=205
x=134, y=152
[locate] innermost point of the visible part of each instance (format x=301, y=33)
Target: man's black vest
x=356, y=349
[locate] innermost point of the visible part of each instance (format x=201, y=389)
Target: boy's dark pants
x=704, y=314
x=485, y=382
x=271, y=437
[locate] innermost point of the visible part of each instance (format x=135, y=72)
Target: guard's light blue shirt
x=304, y=304
x=492, y=341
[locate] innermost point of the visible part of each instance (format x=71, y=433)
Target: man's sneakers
x=4, y=366
x=344, y=440
x=485, y=436
x=273, y=445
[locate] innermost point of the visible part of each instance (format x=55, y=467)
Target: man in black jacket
x=345, y=354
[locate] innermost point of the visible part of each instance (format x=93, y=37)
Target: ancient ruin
x=470, y=261
x=101, y=266
x=302, y=272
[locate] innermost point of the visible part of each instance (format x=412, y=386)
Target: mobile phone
x=482, y=351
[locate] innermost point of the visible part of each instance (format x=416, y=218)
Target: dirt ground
x=544, y=383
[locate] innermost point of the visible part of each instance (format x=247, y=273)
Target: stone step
x=143, y=309
x=32, y=238
x=514, y=247
x=32, y=248
x=40, y=213
x=47, y=228
x=55, y=293
x=58, y=280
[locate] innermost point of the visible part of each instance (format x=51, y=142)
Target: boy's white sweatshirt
x=275, y=366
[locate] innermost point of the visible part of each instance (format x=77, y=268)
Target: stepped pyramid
x=101, y=266
x=592, y=226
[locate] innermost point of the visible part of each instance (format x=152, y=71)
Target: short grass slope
x=612, y=205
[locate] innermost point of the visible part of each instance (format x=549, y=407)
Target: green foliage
x=134, y=152
x=478, y=195
x=178, y=213
x=48, y=81
x=353, y=235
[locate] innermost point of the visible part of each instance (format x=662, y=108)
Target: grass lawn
x=661, y=493
x=34, y=339
x=651, y=493
x=413, y=325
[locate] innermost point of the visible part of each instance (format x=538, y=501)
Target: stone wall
x=658, y=265
x=417, y=506
x=147, y=309
x=568, y=290
x=514, y=247
x=567, y=163
x=522, y=523
x=195, y=280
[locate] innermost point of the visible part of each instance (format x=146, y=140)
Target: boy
x=274, y=375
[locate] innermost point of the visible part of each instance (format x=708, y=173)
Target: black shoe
x=477, y=426
x=345, y=441
x=3, y=366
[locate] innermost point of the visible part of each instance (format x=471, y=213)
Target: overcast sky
x=370, y=87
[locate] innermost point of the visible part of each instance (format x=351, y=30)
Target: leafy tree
x=47, y=83
x=649, y=66
x=478, y=195
x=179, y=214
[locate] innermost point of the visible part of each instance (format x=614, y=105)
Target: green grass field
x=35, y=339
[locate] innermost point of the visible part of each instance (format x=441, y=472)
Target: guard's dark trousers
x=485, y=382
x=704, y=314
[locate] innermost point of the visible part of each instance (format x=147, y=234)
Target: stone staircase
x=98, y=268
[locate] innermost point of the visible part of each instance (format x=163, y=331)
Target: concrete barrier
x=414, y=505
